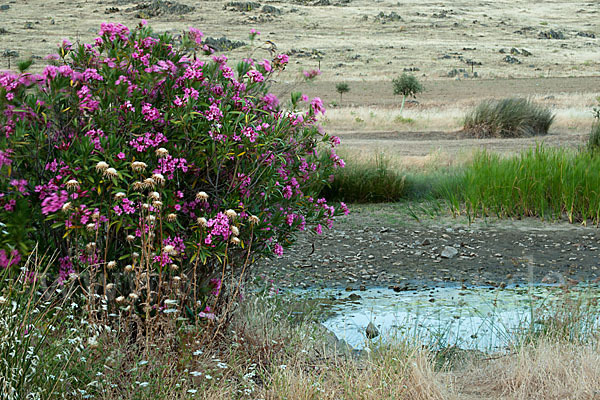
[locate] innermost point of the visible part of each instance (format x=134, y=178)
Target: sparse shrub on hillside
x=406, y=85
x=513, y=117
x=154, y=168
x=342, y=88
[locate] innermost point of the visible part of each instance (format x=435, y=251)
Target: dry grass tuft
x=548, y=370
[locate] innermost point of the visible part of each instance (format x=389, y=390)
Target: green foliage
x=544, y=183
x=366, y=182
x=407, y=85
x=594, y=139
x=513, y=117
x=342, y=88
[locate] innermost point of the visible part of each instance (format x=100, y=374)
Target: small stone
x=449, y=252
x=372, y=331
x=426, y=242
x=354, y=297
x=4, y=7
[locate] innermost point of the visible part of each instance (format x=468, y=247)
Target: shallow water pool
x=480, y=318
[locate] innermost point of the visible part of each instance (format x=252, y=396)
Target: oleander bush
x=152, y=168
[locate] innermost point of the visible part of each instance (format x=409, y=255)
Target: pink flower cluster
x=149, y=139
x=218, y=226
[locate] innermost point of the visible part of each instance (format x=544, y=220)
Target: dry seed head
x=67, y=206
x=90, y=247
x=120, y=299
x=174, y=267
x=162, y=152
x=154, y=196
x=111, y=173
x=202, y=221
x=231, y=213
x=138, y=166
x=169, y=249
x=138, y=186
x=171, y=217
x=130, y=238
x=72, y=184
x=254, y=219
x=111, y=264
x=157, y=205
x=135, y=255
x=151, y=218
x=145, y=206
x=128, y=268
x=119, y=195
x=201, y=196
x=235, y=240
x=149, y=183
x=2, y=300
x=91, y=227
x=133, y=296
x=110, y=286
x=101, y=166
x=177, y=279
x=159, y=178
x=95, y=216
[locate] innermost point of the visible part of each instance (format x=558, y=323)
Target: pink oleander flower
x=278, y=250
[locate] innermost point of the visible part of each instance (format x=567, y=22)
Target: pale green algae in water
x=479, y=318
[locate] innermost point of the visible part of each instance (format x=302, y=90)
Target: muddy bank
x=382, y=246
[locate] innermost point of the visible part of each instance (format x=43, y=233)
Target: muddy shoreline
x=381, y=246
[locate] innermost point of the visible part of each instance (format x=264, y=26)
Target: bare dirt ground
x=383, y=246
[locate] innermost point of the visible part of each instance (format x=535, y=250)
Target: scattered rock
x=353, y=297
x=241, y=6
x=3, y=31
x=514, y=51
x=4, y=7
x=156, y=8
x=271, y=10
x=511, y=60
x=28, y=25
x=449, y=252
x=587, y=35
x=111, y=10
x=372, y=331
x=222, y=44
x=384, y=18
x=552, y=34
x=426, y=242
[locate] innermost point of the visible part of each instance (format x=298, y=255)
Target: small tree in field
x=406, y=85
x=342, y=88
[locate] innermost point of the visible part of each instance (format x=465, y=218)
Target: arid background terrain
x=462, y=51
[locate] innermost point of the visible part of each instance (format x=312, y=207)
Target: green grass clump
x=366, y=182
x=594, y=139
x=542, y=182
x=507, y=118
